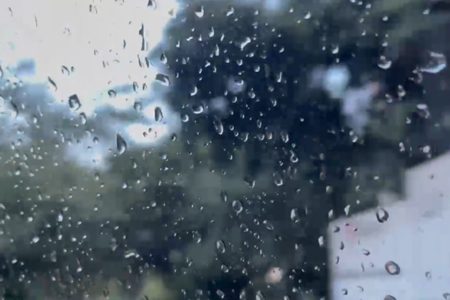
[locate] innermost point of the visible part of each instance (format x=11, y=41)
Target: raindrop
x=284, y=136
x=392, y=268
x=237, y=206
x=200, y=12
x=158, y=114
x=344, y=292
x=366, y=252
x=53, y=83
x=163, y=79
x=74, y=102
x=194, y=91
x=389, y=297
x=221, y=294
x=295, y=217
x=163, y=58
x=384, y=63
x=259, y=296
x=137, y=106
x=436, y=63
x=321, y=241
x=131, y=253
x=220, y=246
x=218, y=126
x=308, y=15
x=382, y=215
x=446, y=296
x=198, y=109
x=428, y=275
x=112, y=93
x=246, y=41
x=224, y=196
x=121, y=144
x=151, y=3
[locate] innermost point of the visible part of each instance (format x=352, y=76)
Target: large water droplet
x=436, y=63
x=158, y=114
x=392, y=268
x=382, y=215
x=121, y=144
x=446, y=296
x=74, y=102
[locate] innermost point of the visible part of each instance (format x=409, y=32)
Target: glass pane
x=200, y=149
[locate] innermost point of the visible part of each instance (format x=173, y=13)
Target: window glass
x=201, y=149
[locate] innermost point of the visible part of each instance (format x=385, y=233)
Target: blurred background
x=223, y=149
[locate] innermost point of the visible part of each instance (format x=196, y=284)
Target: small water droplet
x=158, y=114
x=218, y=126
x=428, y=275
x=163, y=79
x=384, y=63
x=237, y=206
x=446, y=296
x=294, y=215
x=382, y=215
x=389, y=297
x=392, y=268
x=220, y=246
x=74, y=102
x=200, y=12
x=121, y=144
x=131, y=253
x=198, y=109
x=436, y=63
x=112, y=93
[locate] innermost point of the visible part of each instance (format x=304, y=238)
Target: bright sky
x=100, y=39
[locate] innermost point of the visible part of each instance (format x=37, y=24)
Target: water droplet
x=112, y=93
x=137, y=106
x=295, y=216
x=163, y=79
x=52, y=82
x=384, y=63
x=446, y=296
x=198, y=109
x=321, y=241
x=131, y=253
x=366, y=252
x=218, y=126
x=344, y=292
x=392, y=268
x=152, y=4
x=389, y=297
x=436, y=63
x=194, y=91
x=259, y=296
x=244, y=44
x=163, y=58
x=308, y=15
x=221, y=294
x=220, y=246
x=428, y=275
x=121, y=144
x=237, y=206
x=74, y=102
x=382, y=215
x=200, y=12
x=158, y=114
x=284, y=136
